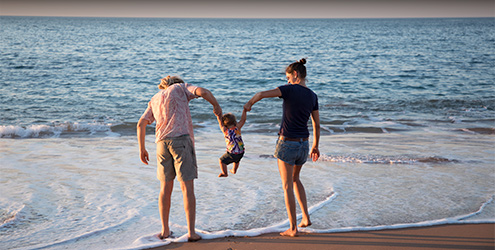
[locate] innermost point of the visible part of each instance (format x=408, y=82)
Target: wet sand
x=463, y=236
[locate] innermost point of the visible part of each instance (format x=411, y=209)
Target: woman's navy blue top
x=298, y=104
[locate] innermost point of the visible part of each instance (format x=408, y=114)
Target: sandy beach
x=464, y=236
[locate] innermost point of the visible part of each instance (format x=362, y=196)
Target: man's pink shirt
x=170, y=109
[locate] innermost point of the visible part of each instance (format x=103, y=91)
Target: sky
x=250, y=8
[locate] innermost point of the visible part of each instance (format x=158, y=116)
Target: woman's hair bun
x=303, y=61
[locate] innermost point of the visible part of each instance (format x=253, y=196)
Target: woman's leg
x=166, y=188
x=301, y=197
x=286, y=173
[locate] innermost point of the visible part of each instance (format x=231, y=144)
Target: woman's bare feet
x=193, y=238
x=305, y=223
x=290, y=233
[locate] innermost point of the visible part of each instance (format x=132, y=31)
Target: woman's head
x=168, y=81
x=229, y=120
x=296, y=71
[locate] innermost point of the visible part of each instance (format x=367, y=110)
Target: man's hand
x=144, y=156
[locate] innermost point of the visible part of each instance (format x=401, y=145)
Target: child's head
x=229, y=120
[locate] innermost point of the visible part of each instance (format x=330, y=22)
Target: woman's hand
x=315, y=153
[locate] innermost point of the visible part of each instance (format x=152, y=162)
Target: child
x=235, y=146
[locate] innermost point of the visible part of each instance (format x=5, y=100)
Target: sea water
x=406, y=108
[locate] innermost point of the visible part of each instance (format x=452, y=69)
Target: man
x=175, y=145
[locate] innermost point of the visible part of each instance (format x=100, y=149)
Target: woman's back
x=299, y=102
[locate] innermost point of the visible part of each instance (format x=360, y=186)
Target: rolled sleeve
x=148, y=115
x=191, y=91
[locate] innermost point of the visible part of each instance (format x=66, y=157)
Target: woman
x=292, y=146
x=175, y=145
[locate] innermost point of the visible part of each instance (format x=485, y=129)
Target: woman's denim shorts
x=292, y=152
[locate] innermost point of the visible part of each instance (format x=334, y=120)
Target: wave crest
x=55, y=130
x=378, y=159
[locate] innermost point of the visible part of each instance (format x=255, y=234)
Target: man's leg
x=190, y=208
x=166, y=188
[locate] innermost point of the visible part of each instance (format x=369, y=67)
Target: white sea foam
x=153, y=241
x=94, y=193
x=55, y=130
x=9, y=217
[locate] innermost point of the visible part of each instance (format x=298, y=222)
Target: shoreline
x=450, y=236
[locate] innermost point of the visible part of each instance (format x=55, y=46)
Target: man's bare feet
x=223, y=175
x=233, y=171
x=161, y=235
x=290, y=233
x=193, y=238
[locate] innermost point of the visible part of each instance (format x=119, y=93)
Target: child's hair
x=168, y=81
x=228, y=120
x=298, y=67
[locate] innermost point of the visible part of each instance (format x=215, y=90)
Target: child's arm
x=243, y=119
x=222, y=127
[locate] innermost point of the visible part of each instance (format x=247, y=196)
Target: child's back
x=233, y=139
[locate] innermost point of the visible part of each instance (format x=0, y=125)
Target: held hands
x=315, y=153
x=248, y=106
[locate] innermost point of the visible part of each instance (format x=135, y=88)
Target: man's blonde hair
x=168, y=81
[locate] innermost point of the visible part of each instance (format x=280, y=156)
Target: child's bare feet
x=223, y=175
x=290, y=233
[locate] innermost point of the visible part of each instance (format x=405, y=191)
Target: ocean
x=407, y=109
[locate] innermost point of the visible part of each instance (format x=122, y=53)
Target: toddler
x=235, y=146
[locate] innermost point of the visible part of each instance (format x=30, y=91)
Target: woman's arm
x=207, y=95
x=315, y=119
x=261, y=95
x=141, y=134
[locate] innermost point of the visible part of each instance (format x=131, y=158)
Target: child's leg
x=234, y=169
x=223, y=167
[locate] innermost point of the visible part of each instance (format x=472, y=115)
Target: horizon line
x=199, y=17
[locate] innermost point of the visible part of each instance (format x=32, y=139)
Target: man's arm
x=141, y=134
x=207, y=95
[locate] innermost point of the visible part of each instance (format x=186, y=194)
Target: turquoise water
x=407, y=109
x=410, y=73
